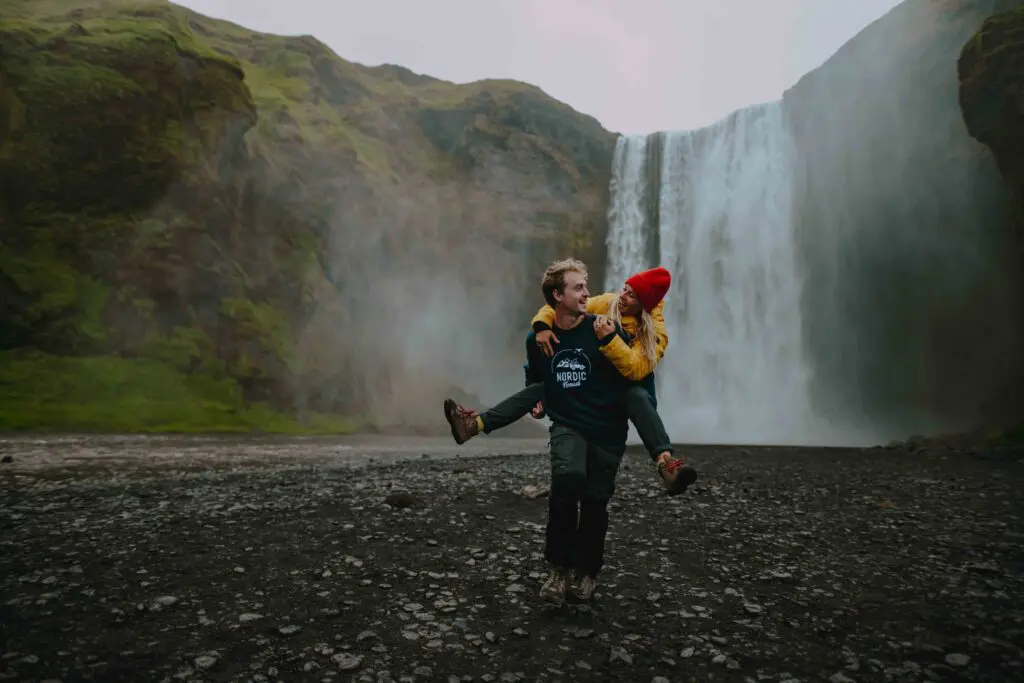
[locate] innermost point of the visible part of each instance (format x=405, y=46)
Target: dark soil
x=781, y=565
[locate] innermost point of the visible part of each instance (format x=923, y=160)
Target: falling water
x=627, y=236
x=735, y=368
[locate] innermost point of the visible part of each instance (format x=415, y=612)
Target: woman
x=637, y=307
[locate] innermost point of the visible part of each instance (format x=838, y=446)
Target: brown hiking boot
x=554, y=587
x=584, y=586
x=462, y=420
x=675, y=473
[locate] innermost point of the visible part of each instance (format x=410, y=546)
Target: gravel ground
x=143, y=559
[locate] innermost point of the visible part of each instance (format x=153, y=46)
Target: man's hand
x=603, y=326
x=545, y=339
x=537, y=411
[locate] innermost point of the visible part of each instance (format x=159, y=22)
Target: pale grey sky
x=635, y=65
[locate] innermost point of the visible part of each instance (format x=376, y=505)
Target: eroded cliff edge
x=902, y=222
x=250, y=217
x=991, y=70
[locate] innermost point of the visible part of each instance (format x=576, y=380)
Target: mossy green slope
x=179, y=194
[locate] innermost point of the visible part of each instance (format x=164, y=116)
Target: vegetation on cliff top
x=190, y=208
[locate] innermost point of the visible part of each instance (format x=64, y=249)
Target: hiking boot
x=675, y=473
x=583, y=587
x=463, y=421
x=553, y=590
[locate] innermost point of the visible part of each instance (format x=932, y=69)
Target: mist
x=426, y=300
x=428, y=229
x=910, y=293
x=842, y=261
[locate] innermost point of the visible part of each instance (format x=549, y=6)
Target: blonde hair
x=644, y=330
x=554, y=277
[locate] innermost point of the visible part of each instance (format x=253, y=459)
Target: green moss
x=62, y=301
x=265, y=325
x=182, y=349
x=173, y=182
x=109, y=394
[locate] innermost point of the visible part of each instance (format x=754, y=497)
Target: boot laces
x=465, y=413
x=673, y=464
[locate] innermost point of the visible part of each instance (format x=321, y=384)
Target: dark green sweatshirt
x=582, y=389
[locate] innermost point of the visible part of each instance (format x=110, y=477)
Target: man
x=637, y=307
x=585, y=397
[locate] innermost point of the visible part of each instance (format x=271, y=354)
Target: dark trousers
x=643, y=412
x=582, y=482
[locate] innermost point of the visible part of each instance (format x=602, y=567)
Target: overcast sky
x=636, y=65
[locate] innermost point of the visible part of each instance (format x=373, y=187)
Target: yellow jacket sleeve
x=597, y=305
x=545, y=317
x=629, y=359
x=600, y=304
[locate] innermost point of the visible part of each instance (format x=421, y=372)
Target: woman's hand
x=545, y=340
x=603, y=326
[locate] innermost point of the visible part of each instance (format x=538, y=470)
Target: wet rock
x=205, y=661
x=957, y=659
x=535, y=491
x=401, y=500
x=752, y=608
x=163, y=601
x=785, y=558
x=348, y=662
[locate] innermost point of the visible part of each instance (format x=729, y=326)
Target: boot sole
x=550, y=599
x=687, y=476
x=449, y=415
x=577, y=597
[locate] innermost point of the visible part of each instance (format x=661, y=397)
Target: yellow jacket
x=628, y=359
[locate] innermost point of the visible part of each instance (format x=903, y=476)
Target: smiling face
x=572, y=298
x=629, y=304
x=564, y=286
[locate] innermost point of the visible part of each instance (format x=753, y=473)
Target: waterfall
x=627, y=235
x=735, y=369
x=846, y=268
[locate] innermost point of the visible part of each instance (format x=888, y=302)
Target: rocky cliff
x=991, y=69
x=902, y=223
x=254, y=209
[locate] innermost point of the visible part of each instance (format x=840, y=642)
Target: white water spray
x=735, y=369
x=627, y=235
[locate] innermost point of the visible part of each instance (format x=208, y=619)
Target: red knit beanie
x=650, y=286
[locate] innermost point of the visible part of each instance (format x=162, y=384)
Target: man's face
x=574, y=297
x=628, y=303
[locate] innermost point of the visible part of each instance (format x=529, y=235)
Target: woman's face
x=628, y=303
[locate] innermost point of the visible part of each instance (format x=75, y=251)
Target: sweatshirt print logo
x=570, y=367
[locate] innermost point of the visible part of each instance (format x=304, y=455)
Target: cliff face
x=902, y=223
x=252, y=206
x=991, y=69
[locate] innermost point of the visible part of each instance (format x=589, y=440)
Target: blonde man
x=585, y=397
x=637, y=308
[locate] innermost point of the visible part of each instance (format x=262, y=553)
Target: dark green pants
x=582, y=482
x=643, y=412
